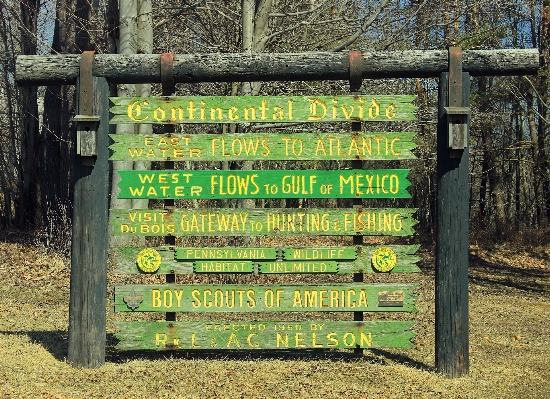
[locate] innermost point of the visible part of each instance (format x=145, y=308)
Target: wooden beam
x=87, y=307
x=237, y=67
x=451, y=254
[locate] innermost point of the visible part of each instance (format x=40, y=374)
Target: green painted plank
x=254, y=109
x=162, y=335
x=297, y=267
x=223, y=266
x=320, y=253
x=262, y=298
x=261, y=222
x=225, y=253
x=180, y=261
x=232, y=184
x=126, y=261
x=405, y=260
x=263, y=146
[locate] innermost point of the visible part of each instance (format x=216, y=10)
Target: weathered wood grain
x=298, y=267
x=265, y=298
x=306, y=260
x=405, y=260
x=320, y=253
x=139, y=335
x=262, y=109
x=223, y=266
x=233, y=184
x=452, y=230
x=259, y=222
x=227, y=67
x=87, y=303
x=263, y=146
x=125, y=259
x=225, y=253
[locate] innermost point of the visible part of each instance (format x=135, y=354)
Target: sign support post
x=168, y=89
x=451, y=275
x=355, y=82
x=87, y=303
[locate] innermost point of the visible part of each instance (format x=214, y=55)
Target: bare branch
x=363, y=28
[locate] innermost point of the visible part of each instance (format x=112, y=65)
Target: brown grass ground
x=509, y=337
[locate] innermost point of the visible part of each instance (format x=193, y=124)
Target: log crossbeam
x=237, y=67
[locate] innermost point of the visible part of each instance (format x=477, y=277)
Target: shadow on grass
x=56, y=342
x=372, y=356
x=504, y=275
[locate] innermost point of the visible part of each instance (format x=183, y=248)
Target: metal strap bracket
x=355, y=71
x=86, y=122
x=457, y=115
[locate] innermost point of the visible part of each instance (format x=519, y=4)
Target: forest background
x=509, y=188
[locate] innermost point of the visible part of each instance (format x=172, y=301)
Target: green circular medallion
x=149, y=260
x=384, y=259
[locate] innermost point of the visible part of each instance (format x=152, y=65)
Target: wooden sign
x=258, y=222
x=263, y=298
x=225, y=253
x=139, y=335
x=324, y=253
x=230, y=184
x=181, y=260
x=223, y=266
x=282, y=267
x=263, y=146
x=250, y=109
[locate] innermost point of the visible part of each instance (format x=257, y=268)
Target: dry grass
x=509, y=336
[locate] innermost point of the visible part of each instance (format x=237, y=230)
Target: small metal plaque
x=390, y=299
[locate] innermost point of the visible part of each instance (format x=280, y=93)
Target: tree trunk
x=57, y=144
x=127, y=45
x=26, y=207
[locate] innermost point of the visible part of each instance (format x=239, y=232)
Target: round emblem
x=384, y=259
x=149, y=260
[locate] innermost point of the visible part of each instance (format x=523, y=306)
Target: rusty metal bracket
x=457, y=115
x=86, y=122
x=167, y=74
x=355, y=71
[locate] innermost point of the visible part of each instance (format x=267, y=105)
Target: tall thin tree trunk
x=27, y=206
x=57, y=144
x=127, y=44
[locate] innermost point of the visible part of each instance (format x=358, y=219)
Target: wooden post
x=451, y=278
x=87, y=307
x=168, y=89
x=355, y=83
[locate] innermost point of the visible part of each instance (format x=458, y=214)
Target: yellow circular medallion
x=149, y=260
x=384, y=259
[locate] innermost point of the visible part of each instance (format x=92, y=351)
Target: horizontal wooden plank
x=263, y=146
x=405, y=260
x=265, y=298
x=223, y=266
x=233, y=184
x=180, y=261
x=225, y=253
x=125, y=260
x=297, y=267
x=261, y=222
x=140, y=335
x=319, y=253
x=256, y=109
